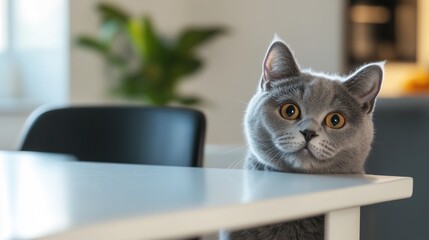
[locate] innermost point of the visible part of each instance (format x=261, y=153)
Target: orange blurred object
x=417, y=83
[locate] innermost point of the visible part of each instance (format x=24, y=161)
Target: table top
x=51, y=197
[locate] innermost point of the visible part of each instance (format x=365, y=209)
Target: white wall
x=313, y=29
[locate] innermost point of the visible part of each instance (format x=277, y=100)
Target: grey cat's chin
x=305, y=160
x=309, y=150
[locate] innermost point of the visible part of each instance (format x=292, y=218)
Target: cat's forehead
x=315, y=93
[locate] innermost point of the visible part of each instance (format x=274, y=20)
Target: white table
x=52, y=198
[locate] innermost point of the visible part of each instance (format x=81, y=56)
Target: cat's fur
x=278, y=144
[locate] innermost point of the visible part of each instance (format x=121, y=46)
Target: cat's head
x=301, y=121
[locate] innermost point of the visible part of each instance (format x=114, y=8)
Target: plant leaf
x=144, y=39
x=135, y=34
x=193, y=37
x=101, y=48
x=153, y=44
x=185, y=67
x=110, y=11
x=93, y=44
x=116, y=60
x=109, y=30
x=113, y=21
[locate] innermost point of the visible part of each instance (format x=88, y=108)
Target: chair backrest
x=145, y=135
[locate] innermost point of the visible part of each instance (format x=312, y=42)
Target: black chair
x=142, y=135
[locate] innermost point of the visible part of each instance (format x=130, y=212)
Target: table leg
x=343, y=224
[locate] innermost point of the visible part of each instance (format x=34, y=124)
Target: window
x=4, y=82
x=33, y=51
x=3, y=24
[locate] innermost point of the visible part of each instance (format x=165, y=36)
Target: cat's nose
x=308, y=134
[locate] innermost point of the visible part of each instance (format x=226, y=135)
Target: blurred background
x=40, y=62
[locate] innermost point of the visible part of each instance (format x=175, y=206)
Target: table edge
x=188, y=223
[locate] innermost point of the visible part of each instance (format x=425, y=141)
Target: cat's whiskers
x=277, y=154
x=319, y=152
x=238, y=161
x=328, y=146
x=288, y=145
x=271, y=159
x=366, y=170
x=264, y=140
x=235, y=164
x=279, y=158
x=259, y=164
x=242, y=101
x=283, y=157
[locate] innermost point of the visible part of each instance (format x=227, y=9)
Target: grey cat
x=304, y=122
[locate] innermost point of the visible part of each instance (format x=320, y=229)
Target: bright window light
x=3, y=24
x=38, y=29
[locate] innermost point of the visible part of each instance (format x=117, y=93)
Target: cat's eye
x=289, y=111
x=335, y=120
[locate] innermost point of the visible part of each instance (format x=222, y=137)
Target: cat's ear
x=365, y=84
x=279, y=63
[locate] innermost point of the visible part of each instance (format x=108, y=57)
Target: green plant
x=148, y=66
